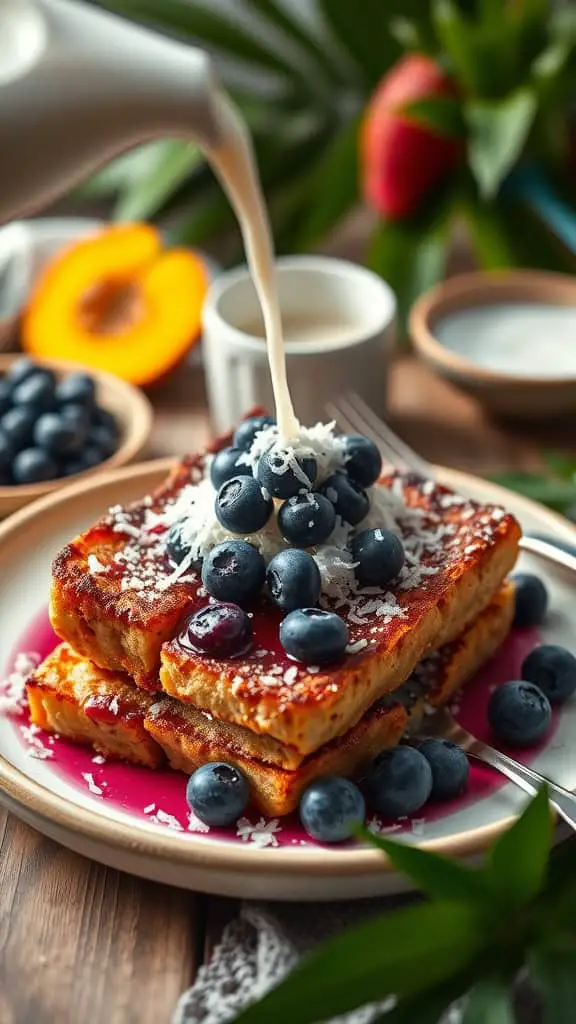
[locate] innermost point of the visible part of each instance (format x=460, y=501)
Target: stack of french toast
x=126, y=681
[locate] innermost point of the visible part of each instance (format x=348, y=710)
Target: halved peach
x=118, y=301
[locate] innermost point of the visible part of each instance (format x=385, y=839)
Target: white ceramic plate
x=136, y=820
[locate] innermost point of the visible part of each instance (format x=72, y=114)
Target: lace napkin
x=262, y=945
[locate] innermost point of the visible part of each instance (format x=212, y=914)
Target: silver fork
x=354, y=416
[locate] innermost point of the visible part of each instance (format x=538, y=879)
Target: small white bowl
x=26, y=246
x=343, y=341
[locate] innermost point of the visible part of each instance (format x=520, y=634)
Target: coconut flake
x=92, y=786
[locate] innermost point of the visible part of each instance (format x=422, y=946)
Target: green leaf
x=532, y=240
x=142, y=198
x=437, y=876
x=498, y=132
x=414, y=35
x=363, y=35
x=561, y=465
x=122, y=172
x=552, y=971
x=411, y=256
x=403, y=952
x=489, y=1003
x=556, y=493
x=517, y=862
x=212, y=215
x=201, y=25
x=429, y=1007
x=333, y=186
x=455, y=35
x=488, y=235
x=294, y=30
x=439, y=113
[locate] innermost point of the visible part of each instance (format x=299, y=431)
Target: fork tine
x=349, y=419
x=379, y=427
x=352, y=412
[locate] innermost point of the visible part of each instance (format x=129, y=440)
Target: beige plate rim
x=215, y=854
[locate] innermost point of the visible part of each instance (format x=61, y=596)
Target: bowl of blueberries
x=59, y=421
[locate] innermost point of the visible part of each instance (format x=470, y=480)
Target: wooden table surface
x=84, y=943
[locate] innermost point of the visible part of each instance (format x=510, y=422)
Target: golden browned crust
x=70, y=696
x=134, y=630
x=75, y=698
x=312, y=709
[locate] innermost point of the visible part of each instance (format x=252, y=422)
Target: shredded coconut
x=261, y=833
x=13, y=699
x=163, y=818
x=92, y=785
x=95, y=565
x=356, y=647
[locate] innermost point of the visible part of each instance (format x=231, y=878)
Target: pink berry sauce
x=158, y=797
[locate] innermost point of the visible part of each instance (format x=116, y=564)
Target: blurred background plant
x=456, y=110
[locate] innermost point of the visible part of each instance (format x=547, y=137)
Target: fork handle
x=563, y=802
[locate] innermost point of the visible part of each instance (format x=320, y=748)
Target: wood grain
x=81, y=942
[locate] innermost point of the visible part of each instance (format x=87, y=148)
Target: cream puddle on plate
x=523, y=339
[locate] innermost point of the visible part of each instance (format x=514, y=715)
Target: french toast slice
x=72, y=697
x=190, y=737
x=116, y=599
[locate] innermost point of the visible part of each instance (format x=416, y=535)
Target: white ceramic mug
x=348, y=313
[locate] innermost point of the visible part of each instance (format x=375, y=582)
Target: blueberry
x=224, y=466
x=531, y=600
x=379, y=556
x=241, y=506
x=54, y=434
x=102, y=418
x=36, y=392
x=5, y=397
x=519, y=714
x=17, y=425
x=400, y=782
x=79, y=417
x=233, y=571
x=71, y=467
x=78, y=388
x=103, y=440
x=33, y=466
x=331, y=808
x=217, y=793
x=293, y=579
x=363, y=461
x=350, y=501
x=178, y=544
x=221, y=630
x=19, y=371
x=88, y=458
x=314, y=636
x=246, y=432
x=284, y=474
x=6, y=455
x=553, y=670
x=450, y=768
x=307, y=519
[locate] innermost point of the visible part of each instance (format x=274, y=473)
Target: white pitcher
x=79, y=86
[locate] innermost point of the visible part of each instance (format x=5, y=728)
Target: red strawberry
x=400, y=158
